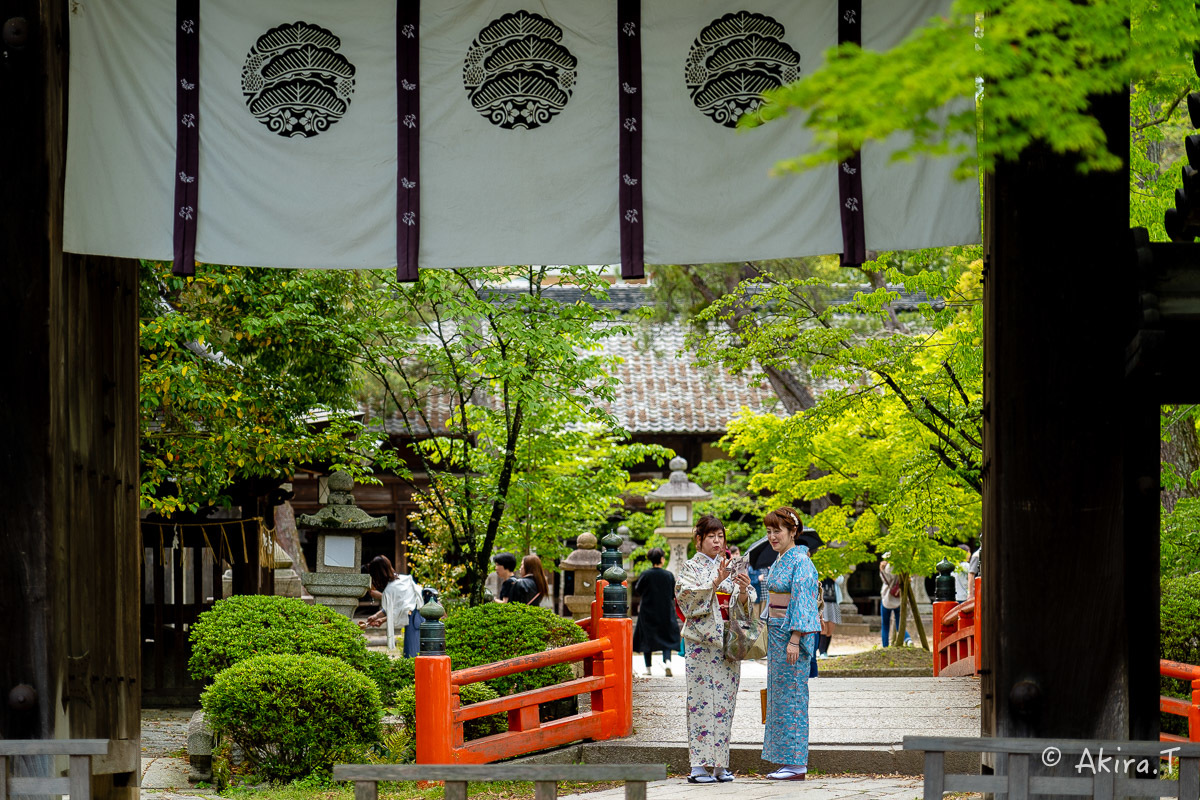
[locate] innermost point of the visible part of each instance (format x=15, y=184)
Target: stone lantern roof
x=678, y=487
x=341, y=512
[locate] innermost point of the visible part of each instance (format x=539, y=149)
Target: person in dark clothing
x=506, y=565
x=657, y=626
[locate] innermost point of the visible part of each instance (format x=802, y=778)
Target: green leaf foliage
x=294, y=715
x=247, y=373
x=1179, y=638
x=1031, y=66
x=244, y=626
x=497, y=631
x=406, y=709
x=1179, y=540
x=504, y=393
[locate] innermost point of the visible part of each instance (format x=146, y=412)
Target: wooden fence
x=78, y=783
x=1182, y=708
x=545, y=777
x=1097, y=769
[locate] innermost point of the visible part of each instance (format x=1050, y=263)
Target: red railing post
x=1194, y=713
x=619, y=631
x=978, y=625
x=940, y=659
x=435, y=711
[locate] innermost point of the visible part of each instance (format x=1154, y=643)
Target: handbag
x=745, y=638
x=828, y=591
x=758, y=649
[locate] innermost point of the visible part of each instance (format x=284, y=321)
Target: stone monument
x=336, y=581
x=678, y=493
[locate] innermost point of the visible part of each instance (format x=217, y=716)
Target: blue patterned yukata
x=786, y=738
x=712, y=679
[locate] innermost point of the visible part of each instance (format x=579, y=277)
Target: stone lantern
x=627, y=544
x=337, y=581
x=678, y=493
x=584, y=562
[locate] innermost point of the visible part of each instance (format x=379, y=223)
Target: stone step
x=874, y=759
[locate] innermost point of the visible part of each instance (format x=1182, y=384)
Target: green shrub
x=1179, y=638
x=498, y=631
x=406, y=709
x=390, y=674
x=293, y=715
x=248, y=625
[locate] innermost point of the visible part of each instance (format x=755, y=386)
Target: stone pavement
x=856, y=724
x=818, y=787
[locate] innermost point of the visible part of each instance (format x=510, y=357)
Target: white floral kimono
x=712, y=679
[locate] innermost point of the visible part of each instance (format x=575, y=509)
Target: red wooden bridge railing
x=607, y=678
x=957, y=635
x=1182, y=708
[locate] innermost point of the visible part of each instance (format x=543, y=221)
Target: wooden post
x=435, y=713
x=620, y=632
x=1194, y=713
x=935, y=770
x=1053, y=467
x=69, y=580
x=940, y=659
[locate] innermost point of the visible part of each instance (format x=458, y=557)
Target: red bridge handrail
x=1189, y=710
x=958, y=635
x=607, y=677
x=547, y=658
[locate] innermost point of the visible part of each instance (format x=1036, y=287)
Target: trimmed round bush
x=294, y=715
x=242, y=626
x=498, y=631
x=390, y=674
x=406, y=709
x=1179, y=639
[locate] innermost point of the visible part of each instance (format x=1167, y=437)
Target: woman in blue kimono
x=792, y=625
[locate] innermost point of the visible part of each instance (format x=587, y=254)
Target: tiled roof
x=662, y=392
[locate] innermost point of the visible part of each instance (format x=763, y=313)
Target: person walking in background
x=962, y=576
x=531, y=588
x=399, y=598
x=506, y=567
x=792, y=626
x=712, y=679
x=889, y=600
x=657, y=628
x=831, y=613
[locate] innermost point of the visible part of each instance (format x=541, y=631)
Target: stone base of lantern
x=339, y=591
x=678, y=540
x=579, y=605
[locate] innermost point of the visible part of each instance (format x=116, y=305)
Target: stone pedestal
x=584, y=563
x=341, y=592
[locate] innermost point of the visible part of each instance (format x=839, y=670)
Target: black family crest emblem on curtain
x=517, y=73
x=294, y=80
x=734, y=60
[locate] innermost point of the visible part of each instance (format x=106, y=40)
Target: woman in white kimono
x=712, y=679
x=399, y=596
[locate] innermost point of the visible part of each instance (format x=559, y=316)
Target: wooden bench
x=545, y=777
x=78, y=782
x=1027, y=756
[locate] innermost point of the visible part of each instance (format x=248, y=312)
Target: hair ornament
x=792, y=514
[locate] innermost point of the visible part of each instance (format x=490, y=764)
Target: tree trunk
x=912, y=603
x=1183, y=452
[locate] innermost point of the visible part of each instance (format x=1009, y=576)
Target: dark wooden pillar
x=69, y=541
x=1070, y=552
